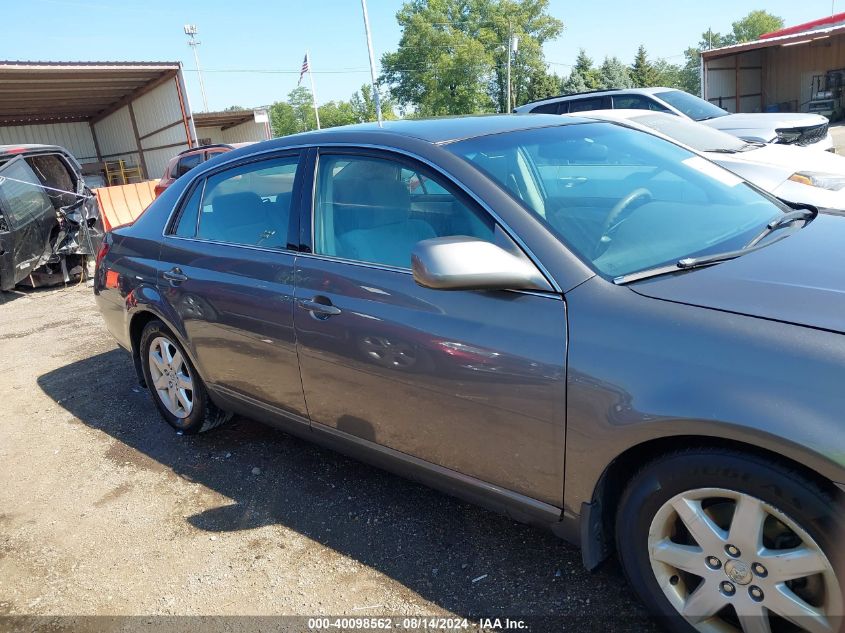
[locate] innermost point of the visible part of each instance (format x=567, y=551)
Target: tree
x=234, y=108
x=335, y=113
x=667, y=74
x=364, y=106
x=691, y=71
x=294, y=115
x=643, y=73
x=754, y=25
x=584, y=68
x=575, y=83
x=613, y=74
x=542, y=86
x=751, y=27
x=452, y=56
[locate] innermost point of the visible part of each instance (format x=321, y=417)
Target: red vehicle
x=185, y=161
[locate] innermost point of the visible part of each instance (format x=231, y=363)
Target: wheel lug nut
x=759, y=570
x=713, y=562
x=756, y=593
x=727, y=588
x=732, y=550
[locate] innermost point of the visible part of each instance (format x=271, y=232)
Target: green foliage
x=746, y=29
x=583, y=76
x=364, y=106
x=452, y=56
x=296, y=114
x=542, y=86
x=754, y=25
x=614, y=74
x=234, y=108
x=667, y=74
x=643, y=72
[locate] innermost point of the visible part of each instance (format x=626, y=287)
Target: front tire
x=174, y=384
x=718, y=540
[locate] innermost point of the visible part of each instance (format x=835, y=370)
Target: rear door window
x=22, y=198
x=248, y=205
x=546, y=108
x=187, y=163
x=637, y=102
x=54, y=173
x=584, y=105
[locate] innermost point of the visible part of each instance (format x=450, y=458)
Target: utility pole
x=376, y=96
x=508, y=104
x=191, y=31
x=513, y=46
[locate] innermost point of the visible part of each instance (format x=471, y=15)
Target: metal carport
x=232, y=126
x=135, y=111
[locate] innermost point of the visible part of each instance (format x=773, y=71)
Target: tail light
x=104, y=249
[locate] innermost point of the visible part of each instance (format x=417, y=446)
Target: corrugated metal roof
x=44, y=91
x=831, y=20
x=782, y=40
x=223, y=120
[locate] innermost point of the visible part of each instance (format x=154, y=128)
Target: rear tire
x=710, y=538
x=174, y=384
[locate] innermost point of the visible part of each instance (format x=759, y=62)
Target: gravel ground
x=105, y=511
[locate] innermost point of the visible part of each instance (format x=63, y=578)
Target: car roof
x=24, y=148
x=626, y=114
x=437, y=131
x=597, y=93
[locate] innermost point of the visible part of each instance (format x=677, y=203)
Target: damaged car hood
x=798, y=279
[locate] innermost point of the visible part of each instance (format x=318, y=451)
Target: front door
x=27, y=219
x=470, y=381
x=226, y=271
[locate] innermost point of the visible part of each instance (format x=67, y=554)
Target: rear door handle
x=174, y=275
x=319, y=308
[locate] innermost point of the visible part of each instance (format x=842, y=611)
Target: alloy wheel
x=171, y=377
x=728, y=562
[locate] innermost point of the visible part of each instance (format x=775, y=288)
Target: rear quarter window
x=546, y=108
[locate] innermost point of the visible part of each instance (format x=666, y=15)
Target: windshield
x=694, y=107
x=697, y=136
x=622, y=199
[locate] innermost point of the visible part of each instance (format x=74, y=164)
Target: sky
x=251, y=51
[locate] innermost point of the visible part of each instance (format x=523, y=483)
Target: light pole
x=513, y=46
x=191, y=31
x=376, y=97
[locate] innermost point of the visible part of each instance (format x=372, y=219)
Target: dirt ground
x=105, y=511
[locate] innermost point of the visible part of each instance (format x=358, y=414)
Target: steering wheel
x=624, y=203
x=612, y=218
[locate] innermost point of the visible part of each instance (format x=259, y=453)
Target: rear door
x=226, y=271
x=27, y=219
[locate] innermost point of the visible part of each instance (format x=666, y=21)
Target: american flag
x=305, y=69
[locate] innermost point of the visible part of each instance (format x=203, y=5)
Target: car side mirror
x=468, y=263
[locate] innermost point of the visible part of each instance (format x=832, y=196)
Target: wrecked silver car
x=50, y=226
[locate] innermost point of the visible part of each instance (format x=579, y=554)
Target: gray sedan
x=579, y=324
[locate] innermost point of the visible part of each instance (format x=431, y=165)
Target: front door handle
x=174, y=275
x=320, y=307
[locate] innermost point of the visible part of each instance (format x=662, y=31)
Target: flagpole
x=313, y=92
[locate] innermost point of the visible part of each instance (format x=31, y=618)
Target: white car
x=790, y=172
x=783, y=128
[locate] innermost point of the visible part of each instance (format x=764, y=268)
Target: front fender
x=643, y=370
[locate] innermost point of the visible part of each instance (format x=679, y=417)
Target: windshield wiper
x=688, y=263
x=783, y=219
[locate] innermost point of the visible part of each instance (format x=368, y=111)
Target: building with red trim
x=781, y=71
